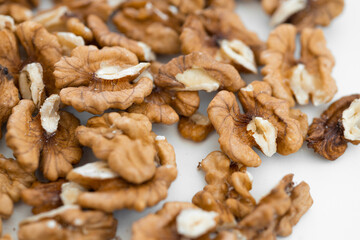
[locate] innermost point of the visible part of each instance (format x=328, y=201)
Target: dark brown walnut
x=94, y=80
x=277, y=212
x=303, y=13
x=227, y=192
x=152, y=22
x=42, y=47
x=221, y=34
x=109, y=192
x=198, y=71
x=196, y=128
x=299, y=79
x=68, y=222
x=13, y=179
x=9, y=95
x=267, y=123
x=330, y=134
x=105, y=38
x=223, y=38
x=47, y=138
x=43, y=196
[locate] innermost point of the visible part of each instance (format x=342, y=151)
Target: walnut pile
x=267, y=123
x=221, y=34
x=94, y=80
x=306, y=78
x=302, y=13
x=46, y=139
x=338, y=125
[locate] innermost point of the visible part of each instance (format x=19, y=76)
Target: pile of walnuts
x=70, y=56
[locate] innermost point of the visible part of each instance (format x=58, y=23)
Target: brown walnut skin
x=84, y=8
x=326, y=134
x=43, y=196
x=9, y=95
x=31, y=144
x=192, y=130
x=19, y=10
x=82, y=89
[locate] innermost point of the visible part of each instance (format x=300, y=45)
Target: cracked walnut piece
x=268, y=123
x=48, y=138
x=338, y=125
x=303, y=13
x=94, y=80
x=222, y=35
x=198, y=71
x=9, y=95
x=106, y=38
x=152, y=22
x=196, y=127
x=303, y=79
x=278, y=212
x=111, y=192
x=68, y=222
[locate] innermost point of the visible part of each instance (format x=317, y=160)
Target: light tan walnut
x=111, y=192
x=77, y=27
x=267, y=123
x=18, y=11
x=153, y=22
x=13, y=179
x=68, y=222
x=42, y=47
x=338, y=125
x=221, y=34
x=9, y=95
x=303, y=13
x=277, y=212
x=198, y=71
x=106, y=38
x=306, y=78
x=94, y=80
x=47, y=138
x=196, y=128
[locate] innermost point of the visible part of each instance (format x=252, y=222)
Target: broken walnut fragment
x=303, y=13
x=221, y=34
x=9, y=95
x=267, y=123
x=48, y=138
x=338, y=125
x=94, y=80
x=106, y=38
x=196, y=127
x=198, y=71
x=110, y=192
x=68, y=222
x=277, y=212
x=306, y=78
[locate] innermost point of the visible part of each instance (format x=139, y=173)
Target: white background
x=335, y=186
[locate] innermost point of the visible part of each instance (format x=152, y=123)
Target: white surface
x=335, y=186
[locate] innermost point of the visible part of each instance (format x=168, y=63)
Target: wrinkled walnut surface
x=196, y=127
x=9, y=53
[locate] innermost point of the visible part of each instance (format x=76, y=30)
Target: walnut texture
x=196, y=127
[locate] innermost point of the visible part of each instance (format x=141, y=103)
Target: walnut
x=94, y=80
x=77, y=27
x=42, y=47
x=267, y=123
x=196, y=128
x=17, y=11
x=186, y=6
x=277, y=212
x=9, y=95
x=338, y=125
x=48, y=136
x=226, y=40
x=151, y=21
x=13, y=179
x=303, y=79
x=303, y=13
x=111, y=192
x=227, y=4
x=198, y=71
x=68, y=222
x=69, y=41
x=105, y=37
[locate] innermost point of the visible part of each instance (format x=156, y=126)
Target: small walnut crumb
x=196, y=128
x=338, y=125
x=31, y=83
